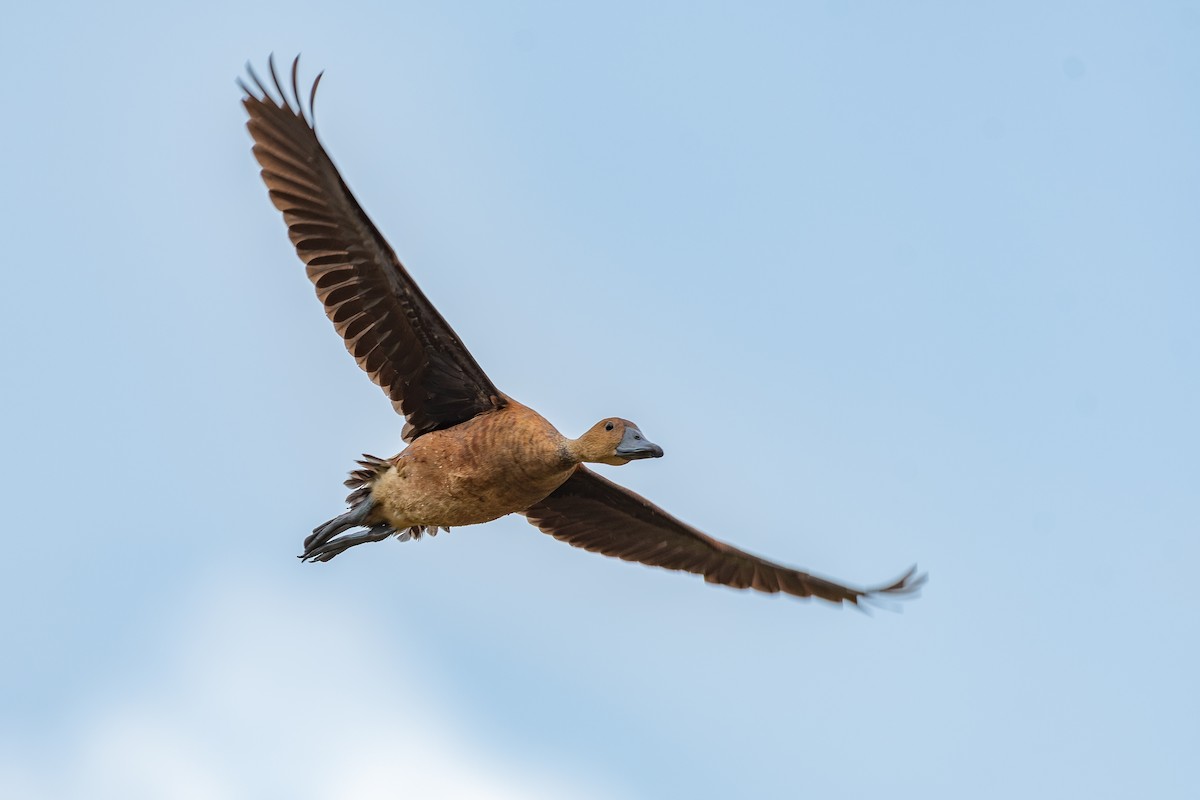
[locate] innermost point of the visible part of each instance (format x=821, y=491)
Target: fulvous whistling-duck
x=473, y=454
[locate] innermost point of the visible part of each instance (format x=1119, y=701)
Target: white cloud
x=260, y=694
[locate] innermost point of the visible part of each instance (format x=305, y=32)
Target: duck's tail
x=324, y=542
x=360, y=481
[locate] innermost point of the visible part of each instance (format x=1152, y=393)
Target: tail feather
x=370, y=468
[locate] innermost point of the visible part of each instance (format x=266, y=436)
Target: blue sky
x=889, y=283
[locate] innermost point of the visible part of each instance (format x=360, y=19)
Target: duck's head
x=615, y=441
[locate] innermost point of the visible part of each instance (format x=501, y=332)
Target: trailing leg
x=360, y=501
x=356, y=517
x=328, y=549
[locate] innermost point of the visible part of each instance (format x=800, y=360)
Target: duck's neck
x=590, y=449
x=574, y=451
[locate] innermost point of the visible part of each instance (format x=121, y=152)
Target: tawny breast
x=495, y=464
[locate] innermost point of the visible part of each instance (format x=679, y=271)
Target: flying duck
x=473, y=453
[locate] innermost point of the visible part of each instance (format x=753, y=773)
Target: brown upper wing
x=390, y=327
x=596, y=514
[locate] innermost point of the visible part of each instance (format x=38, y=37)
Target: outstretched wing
x=596, y=514
x=390, y=327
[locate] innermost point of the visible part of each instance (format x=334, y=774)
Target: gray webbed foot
x=325, y=550
x=356, y=517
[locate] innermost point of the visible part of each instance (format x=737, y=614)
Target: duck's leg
x=356, y=517
x=328, y=549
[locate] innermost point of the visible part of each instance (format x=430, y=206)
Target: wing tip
x=274, y=92
x=907, y=587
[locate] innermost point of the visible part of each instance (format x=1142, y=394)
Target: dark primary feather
x=596, y=514
x=391, y=329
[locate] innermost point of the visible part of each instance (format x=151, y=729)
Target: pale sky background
x=890, y=283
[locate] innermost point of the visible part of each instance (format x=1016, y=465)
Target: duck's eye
x=608, y=426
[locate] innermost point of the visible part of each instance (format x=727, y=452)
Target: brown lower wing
x=389, y=326
x=596, y=514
